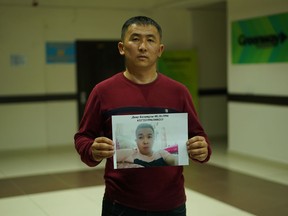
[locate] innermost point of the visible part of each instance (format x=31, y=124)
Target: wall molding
x=259, y=99
x=212, y=92
x=37, y=98
x=231, y=97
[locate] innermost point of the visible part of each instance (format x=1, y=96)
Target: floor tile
x=56, y=182
x=237, y=189
x=201, y=205
x=68, y=202
x=9, y=188
x=88, y=201
x=35, y=162
x=257, y=167
x=21, y=205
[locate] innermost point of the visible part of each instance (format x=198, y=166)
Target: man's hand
x=102, y=148
x=197, y=148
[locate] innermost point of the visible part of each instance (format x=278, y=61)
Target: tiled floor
x=55, y=182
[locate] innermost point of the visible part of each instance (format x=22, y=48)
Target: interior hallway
x=55, y=182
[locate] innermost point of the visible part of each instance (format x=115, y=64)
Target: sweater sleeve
x=89, y=129
x=194, y=126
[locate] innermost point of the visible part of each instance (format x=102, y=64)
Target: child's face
x=145, y=140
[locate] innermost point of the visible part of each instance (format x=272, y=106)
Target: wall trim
x=232, y=97
x=37, y=98
x=71, y=96
x=212, y=92
x=259, y=99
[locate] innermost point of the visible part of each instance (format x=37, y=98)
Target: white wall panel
x=24, y=32
x=258, y=130
x=61, y=123
x=23, y=126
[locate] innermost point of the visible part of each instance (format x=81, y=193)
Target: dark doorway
x=96, y=61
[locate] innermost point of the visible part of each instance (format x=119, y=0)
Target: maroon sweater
x=155, y=188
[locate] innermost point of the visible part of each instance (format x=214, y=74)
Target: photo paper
x=150, y=140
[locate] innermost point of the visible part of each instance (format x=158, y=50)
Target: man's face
x=141, y=46
x=145, y=140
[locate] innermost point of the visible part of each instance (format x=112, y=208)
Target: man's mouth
x=142, y=57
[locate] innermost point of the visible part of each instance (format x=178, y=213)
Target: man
x=140, y=89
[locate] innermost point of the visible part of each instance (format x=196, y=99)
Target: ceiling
x=113, y=4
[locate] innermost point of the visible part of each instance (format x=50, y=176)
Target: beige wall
x=209, y=39
x=24, y=32
x=257, y=129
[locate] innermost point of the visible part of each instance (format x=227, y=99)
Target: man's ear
x=121, y=48
x=161, y=49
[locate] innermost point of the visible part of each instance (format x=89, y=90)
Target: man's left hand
x=197, y=148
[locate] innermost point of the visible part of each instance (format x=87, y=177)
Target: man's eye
x=135, y=39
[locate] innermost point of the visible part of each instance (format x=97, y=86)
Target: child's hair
x=144, y=125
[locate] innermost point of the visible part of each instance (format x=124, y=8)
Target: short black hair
x=144, y=125
x=140, y=20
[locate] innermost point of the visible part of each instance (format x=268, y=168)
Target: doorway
x=96, y=61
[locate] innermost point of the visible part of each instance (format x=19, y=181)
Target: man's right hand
x=102, y=148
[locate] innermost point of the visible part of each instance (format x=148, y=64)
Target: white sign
x=150, y=140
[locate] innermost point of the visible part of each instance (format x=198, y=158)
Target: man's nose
x=143, y=46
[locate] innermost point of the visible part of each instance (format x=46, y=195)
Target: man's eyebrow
x=146, y=35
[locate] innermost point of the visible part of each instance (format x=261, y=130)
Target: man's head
x=141, y=44
x=140, y=20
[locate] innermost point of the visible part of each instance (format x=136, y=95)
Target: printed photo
x=150, y=140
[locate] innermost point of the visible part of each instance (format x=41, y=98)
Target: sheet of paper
x=149, y=140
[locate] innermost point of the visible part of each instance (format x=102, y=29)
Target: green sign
x=260, y=40
x=181, y=66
